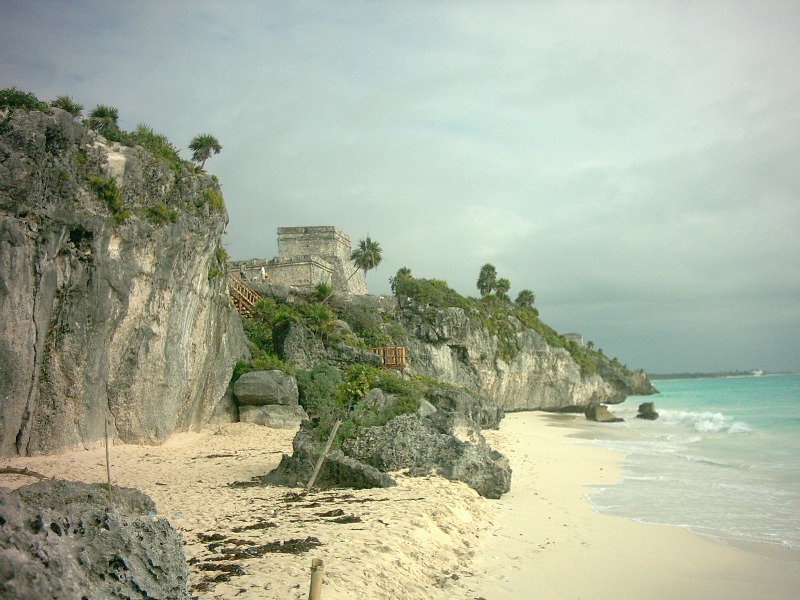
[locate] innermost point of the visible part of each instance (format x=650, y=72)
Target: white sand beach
x=546, y=542
x=427, y=538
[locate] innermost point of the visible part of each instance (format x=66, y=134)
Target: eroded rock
x=447, y=444
x=260, y=388
x=275, y=416
x=59, y=539
x=647, y=410
x=113, y=298
x=600, y=413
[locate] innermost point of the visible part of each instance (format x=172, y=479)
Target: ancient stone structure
x=307, y=256
x=574, y=337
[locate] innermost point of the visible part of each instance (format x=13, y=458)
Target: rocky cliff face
x=111, y=289
x=447, y=346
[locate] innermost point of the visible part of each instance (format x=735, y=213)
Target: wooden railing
x=393, y=357
x=242, y=295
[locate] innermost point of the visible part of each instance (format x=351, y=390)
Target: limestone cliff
x=448, y=346
x=112, y=291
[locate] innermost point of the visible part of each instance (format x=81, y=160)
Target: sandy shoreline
x=547, y=542
x=426, y=538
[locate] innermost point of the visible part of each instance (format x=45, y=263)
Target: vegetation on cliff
x=104, y=253
x=334, y=388
x=105, y=120
x=87, y=168
x=495, y=312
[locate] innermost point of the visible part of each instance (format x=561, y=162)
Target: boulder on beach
x=60, y=539
x=276, y=416
x=261, y=388
x=448, y=444
x=600, y=413
x=337, y=470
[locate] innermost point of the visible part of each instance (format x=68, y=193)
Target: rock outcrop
x=600, y=413
x=60, y=539
x=450, y=445
x=447, y=346
x=338, y=470
x=112, y=290
x=647, y=411
x=262, y=388
x=269, y=398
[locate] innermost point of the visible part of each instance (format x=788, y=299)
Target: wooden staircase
x=242, y=295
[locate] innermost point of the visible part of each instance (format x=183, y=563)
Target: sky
x=636, y=164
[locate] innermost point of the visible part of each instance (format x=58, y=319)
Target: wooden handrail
x=242, y=295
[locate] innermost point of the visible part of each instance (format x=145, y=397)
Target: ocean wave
x=704, y=422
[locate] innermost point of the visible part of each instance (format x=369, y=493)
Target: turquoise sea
x=722, y=460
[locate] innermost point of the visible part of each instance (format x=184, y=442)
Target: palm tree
x=501, y=288
x=367, y=256
x=487, y=279
x=525, y=299
x=202, y=146
x=104, y=118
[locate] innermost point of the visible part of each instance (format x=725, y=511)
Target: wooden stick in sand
x=323, y=455
x=317, y=573
x=108, y=468
x=23, y=471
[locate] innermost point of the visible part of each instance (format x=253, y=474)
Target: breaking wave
x=704, y=422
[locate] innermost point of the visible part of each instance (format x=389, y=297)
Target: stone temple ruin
x=307, y=256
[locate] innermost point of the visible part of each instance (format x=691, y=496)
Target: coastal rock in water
x=60, y=539
x=112, y=291
x=275, y=416
x=260, y=388
x=448, y=446
x=647, y=410
x=600, y=413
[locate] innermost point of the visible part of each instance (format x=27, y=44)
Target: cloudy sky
x=634, y=163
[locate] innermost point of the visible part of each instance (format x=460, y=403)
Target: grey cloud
x=634, y=164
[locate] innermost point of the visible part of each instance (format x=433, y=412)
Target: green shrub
x=214, y=200
x=13, y=98
x=108, y=192
x=240, y=368
x=266, y=361
x=435, y=292
x=321, y=291
x=317, y=317
x=375, y=337
x=68, y=104
x=156, y=143
x=317, y=389
x=160, y=214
